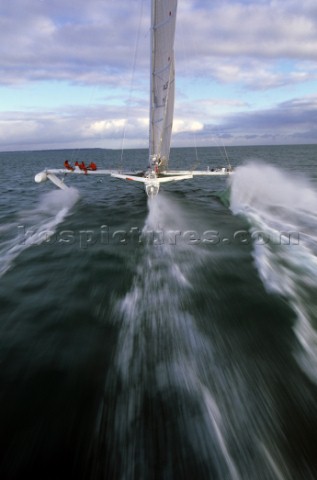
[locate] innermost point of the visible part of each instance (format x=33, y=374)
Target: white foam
x=35, y=226
x=262, y=187
x=275, y=202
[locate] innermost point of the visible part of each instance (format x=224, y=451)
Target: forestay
x=162, y=80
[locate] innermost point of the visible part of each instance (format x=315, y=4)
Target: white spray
x=35, y=226
x=284, y=210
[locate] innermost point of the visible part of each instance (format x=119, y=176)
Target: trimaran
x=162, y=87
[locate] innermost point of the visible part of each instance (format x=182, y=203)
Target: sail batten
x=162, y=80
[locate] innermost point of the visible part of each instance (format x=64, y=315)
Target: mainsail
x=162, y=81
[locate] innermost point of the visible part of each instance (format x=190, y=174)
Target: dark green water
x=172, y=339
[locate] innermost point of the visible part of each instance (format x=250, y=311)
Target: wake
x=34, y=227
x=282, y=213
x=161, y=354
x=171, y=403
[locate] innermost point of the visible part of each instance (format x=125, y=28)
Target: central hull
x=152, y=185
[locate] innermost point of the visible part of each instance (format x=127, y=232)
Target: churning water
x=168, y=339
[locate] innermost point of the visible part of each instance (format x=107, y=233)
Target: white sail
x=162, y=80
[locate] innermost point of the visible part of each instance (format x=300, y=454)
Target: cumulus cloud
x=249, y=42
x=77, y=41
x=236, y=47
x=293, y=121
x=103, y=126
x=180, y=125
x=93, y=42
x=72, y=128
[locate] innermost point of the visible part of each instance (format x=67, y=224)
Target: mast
x=163, y=19
x=151, y=140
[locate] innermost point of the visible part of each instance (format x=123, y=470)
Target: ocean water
x=166, y=339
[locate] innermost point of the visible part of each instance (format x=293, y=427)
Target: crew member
x=81, y=166
x=92, y=166
x=68, y=166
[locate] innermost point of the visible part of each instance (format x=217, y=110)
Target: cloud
x=249, y=42
x=94, y=42
x=78, y=127
x=271, y=29
x=232, y=54
x=257, y=75
x=180, y=125
x=104, y=126
x=79, y=42
x=293, y=121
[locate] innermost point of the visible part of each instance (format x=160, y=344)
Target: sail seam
x=162, y=24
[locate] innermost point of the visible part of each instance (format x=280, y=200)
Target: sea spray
x=177, y=400
x=33, y=227
x=275, y=202
x=163, y=363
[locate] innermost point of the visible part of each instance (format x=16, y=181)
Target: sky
x=75, y=73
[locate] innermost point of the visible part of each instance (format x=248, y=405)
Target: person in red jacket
x=81, y=166
x=92, y=166
x=68, y=166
